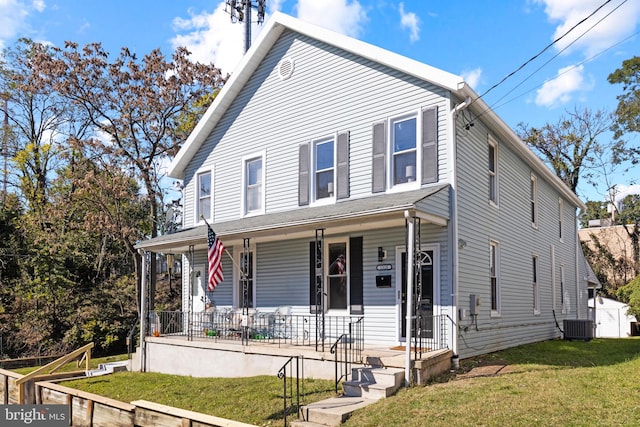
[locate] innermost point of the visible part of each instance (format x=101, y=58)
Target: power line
x=544, y=50
x=495, y=104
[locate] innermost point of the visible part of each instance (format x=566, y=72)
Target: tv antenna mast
x=240, y=11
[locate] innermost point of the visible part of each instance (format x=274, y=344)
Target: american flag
x=216, y=248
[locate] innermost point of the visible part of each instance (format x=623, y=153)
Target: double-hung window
x=493, y=171
x=203, y=195
x=324, y=169
x=404, y=150
x=253, y=179
x=494, y=274
x=560, y=215
x=534, y=201
x=536, y=287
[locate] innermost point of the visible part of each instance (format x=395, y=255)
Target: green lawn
x=555, y=383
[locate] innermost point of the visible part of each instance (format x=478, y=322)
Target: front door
x=197, y=290
x=424, y=300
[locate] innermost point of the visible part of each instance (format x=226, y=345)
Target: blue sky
x=483, y=41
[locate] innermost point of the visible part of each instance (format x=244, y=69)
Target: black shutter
x=303, y=175
x=342, y=188
x=429, y=145
x=312, y=277
x=378, y=166
x=355, y=275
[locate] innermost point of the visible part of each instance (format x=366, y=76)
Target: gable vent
x=285, y=68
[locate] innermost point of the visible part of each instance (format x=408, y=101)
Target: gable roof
x=280, y=22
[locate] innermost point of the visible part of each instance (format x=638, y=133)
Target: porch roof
x=383, y=210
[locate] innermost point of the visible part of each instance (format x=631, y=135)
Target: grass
x=554, y=383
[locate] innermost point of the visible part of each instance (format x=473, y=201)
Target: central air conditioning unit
x=578, y=329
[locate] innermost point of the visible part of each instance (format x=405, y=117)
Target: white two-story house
x=329, y=168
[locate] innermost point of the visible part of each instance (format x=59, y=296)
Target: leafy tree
x=628, y=110
x=595, y=210
x=571, y=147
x=630, y=294
x=629, y=217
x=137, y=104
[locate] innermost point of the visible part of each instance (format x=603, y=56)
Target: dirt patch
x=485, y=368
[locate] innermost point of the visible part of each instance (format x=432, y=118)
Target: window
x=404, y=150
x=534, y=200
x=494, y=271
x=203, y=198
x=324, y=160
x=493, y=167
x=560, y=213
x=563, y=301
x=536, y=288
x=246, y=294
x=253, y=179
x=337, y=276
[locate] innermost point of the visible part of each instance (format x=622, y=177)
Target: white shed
x=611, y=318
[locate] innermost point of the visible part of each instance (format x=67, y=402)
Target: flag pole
x=225, y=249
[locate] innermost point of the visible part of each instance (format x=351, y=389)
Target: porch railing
x=276, y=327
x=431, y=333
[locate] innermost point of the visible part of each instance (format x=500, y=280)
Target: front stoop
x=367, y=386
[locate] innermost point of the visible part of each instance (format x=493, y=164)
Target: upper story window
x=534, y=201
x=560, y=214
x=405, y=151
x=493, y=170
x=324, y=169
x=253, y=184
x=203, y=195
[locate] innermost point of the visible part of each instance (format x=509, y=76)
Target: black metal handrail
x=130, y=341
x=287, y=394
x=335, y=351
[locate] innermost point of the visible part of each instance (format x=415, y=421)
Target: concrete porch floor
x=203, y=357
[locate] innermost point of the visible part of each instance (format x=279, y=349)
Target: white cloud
x=620, y=24
x=560, y=89
x=472, y=77
x=410, y=21
x=39, y=5
x=623, y=191
x=13, y=14
x=212, y=37
x=342, y=16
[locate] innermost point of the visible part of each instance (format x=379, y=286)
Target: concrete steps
x=108, y=368
x=368, y=385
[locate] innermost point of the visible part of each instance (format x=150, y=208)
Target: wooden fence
x=88, y=409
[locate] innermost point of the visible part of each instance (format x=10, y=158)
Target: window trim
x=417, y=179
x=494, y=267
x=244, y=201
x=493, y=185
x=536, y=284
x=533, y=200
x=197, y=198
x=314, y=196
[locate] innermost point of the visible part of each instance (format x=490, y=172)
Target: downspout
x=143, y=312
x=410, y=273
x=453, y=178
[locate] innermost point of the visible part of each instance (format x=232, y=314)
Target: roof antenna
x=240, y=11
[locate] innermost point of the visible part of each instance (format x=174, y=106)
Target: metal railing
x=277, y=327
x=431, y=333
x=347, y=349
x=287, y=371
